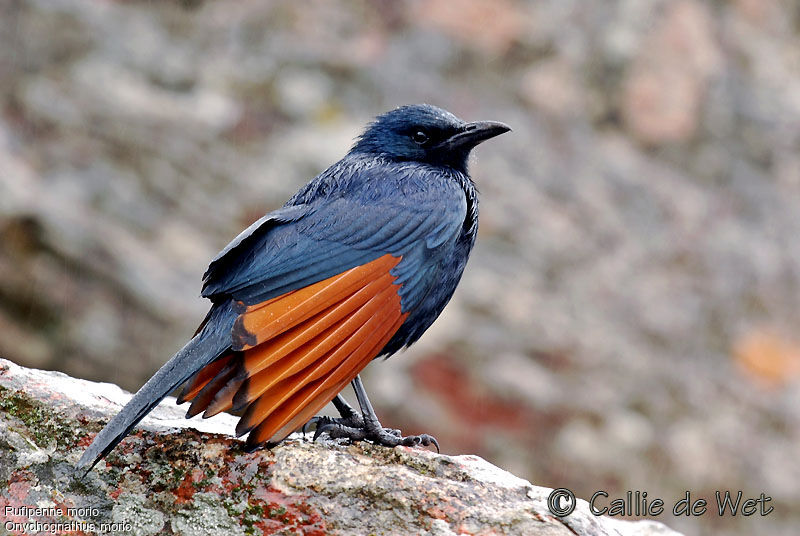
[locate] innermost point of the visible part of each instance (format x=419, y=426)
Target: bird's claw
x=423, y=440
x=387, y=437
x=324, y=423
x=325, y=428
x=314, y=421
x=363, y=426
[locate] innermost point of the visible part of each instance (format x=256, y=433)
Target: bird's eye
x=420, y=137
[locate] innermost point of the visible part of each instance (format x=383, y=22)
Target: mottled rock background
x=629, y=320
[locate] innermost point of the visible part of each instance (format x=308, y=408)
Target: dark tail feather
x=212, y=340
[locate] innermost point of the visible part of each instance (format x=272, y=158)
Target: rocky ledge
x=174, y=476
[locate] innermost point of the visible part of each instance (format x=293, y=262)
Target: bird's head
x=425, y=133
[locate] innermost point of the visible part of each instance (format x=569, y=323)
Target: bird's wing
x=297, y=246
x=317, y=297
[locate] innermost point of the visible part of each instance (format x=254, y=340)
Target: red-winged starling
x=356, y=265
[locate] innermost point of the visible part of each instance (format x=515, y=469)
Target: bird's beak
x=474, y=133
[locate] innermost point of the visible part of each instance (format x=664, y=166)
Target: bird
x=356, y=265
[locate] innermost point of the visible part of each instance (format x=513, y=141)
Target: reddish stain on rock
x=436, y=513
x=85, y=441
x=19, y=486
x=188, y=486
x=16, y=502
x=281, y=511
x=116, y=493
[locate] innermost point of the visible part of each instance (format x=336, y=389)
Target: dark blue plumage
x=402, y=190
x=390, y=194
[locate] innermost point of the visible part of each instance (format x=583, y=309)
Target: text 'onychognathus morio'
x=357, y=264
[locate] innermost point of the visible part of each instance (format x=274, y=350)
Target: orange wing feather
x=262, y=321
x=202, y=378
x=298, y=350
x=299, y=409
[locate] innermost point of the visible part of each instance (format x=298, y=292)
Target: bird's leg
x=349, y=416
x=370, y=428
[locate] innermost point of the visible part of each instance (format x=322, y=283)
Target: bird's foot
x=349, y=418
x=373, y=432
x=364, y=425
x=322, y=421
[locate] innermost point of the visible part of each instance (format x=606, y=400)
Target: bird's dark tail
x=212, y=340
